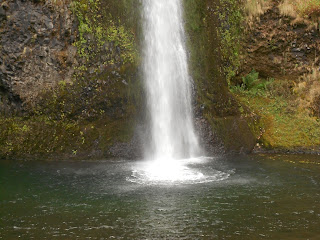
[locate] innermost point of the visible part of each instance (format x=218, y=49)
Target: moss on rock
x=84, y=116
x=207, y=30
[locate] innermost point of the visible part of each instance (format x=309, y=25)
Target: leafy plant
x=250, y=79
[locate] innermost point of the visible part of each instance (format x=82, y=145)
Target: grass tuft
x=301, y=11
x=287, y=9
x=307, y=8
x=254, y=9
x=308, y=93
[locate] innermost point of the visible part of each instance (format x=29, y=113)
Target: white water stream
x=173, y=147
x=168, y=84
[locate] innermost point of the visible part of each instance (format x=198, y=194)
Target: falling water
x=167, y=81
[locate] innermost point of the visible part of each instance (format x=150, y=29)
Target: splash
x=176, y=172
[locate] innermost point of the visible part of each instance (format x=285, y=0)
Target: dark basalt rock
x=3, y=15
x=30, y=54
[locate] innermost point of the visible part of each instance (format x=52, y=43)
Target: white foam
x=171, y=171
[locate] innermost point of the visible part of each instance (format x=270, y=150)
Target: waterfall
x=167, y=82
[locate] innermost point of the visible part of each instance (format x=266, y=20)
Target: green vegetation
x=282, y=124
x=202, y=22
x=195, y=28
x=97, y=107
x=288, y=110
x=19, y=136
x=253, y=84
x=230, y=32
x=208, y=69
x=101, y=33
x=85, y=116
x=307, y=8
x=42, y=136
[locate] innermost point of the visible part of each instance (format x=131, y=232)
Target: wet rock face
x=47, y=72
x=210, y=141
x=36, y=50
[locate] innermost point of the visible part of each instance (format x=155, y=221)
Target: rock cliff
x=70, y=84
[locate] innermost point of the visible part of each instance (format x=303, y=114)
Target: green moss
x=195, y=28
x=235, y=132
x=109, y=131
x=97, y=107
x=230, y=31
x=206, y=63
x=38, y=136
x=282, y=126
x=100, y=33
x=210, y=28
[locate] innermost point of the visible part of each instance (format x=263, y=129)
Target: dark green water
x=265, y=197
